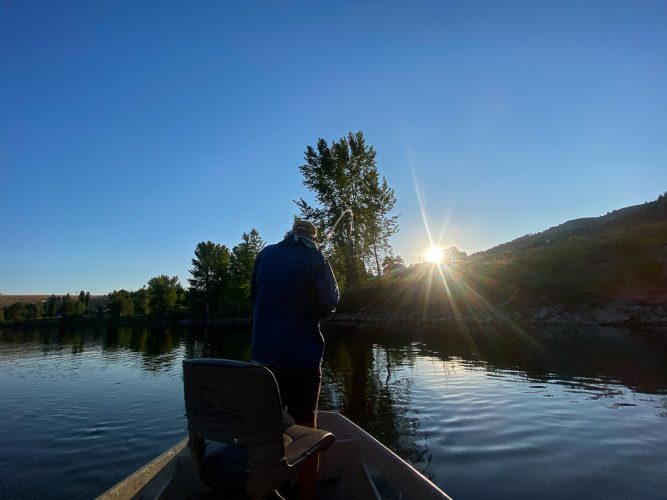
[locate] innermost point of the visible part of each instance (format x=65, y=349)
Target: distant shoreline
x=629, y=313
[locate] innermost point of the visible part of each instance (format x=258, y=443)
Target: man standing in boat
x=292, y=288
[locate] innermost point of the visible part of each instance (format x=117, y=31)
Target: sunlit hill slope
x=621, y=256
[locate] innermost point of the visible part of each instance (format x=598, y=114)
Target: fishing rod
x=329, y=234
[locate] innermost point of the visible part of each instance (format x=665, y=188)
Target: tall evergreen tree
x=344, y=177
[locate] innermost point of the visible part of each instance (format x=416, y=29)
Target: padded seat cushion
x=300, y=441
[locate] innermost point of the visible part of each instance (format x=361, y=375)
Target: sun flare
x=434, y=254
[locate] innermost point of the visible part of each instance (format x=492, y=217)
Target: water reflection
x=445, y=398
x=360, y=361
x=217, y=342
x=563, y=354
x=372, y=376
x=357, y=381
x=157, y=345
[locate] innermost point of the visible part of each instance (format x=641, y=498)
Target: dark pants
x=299, y=391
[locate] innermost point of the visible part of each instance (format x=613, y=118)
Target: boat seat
x=238, y=436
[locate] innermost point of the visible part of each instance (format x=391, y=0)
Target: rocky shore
x=630, y=313
x=625, y=312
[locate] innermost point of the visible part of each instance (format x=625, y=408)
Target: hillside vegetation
x=620, y=256
x=628, y=217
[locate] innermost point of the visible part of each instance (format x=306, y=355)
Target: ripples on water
x=484, y=415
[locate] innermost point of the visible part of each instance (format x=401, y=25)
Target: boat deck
x=356, y=466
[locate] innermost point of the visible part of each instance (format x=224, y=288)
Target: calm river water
x=488, y=414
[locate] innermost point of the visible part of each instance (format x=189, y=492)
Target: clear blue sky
x=130, y=131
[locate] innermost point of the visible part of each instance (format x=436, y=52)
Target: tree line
x=64, y=306
x=219, y=286
x=348, y=190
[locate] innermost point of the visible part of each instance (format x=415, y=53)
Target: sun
x=434, y=254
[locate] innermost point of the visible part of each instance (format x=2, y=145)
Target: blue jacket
x=292, y=288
